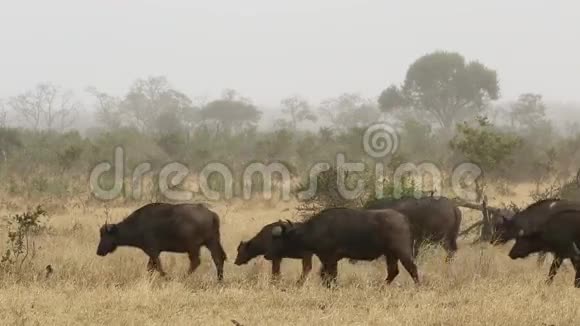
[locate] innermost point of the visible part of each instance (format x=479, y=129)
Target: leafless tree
x=29, y=107
x=107, y=108
x=46, y=106
x=298, y=110
x=63, y=112
x=349, y=110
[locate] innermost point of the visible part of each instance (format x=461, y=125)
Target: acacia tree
x=107, y=109
x=46, y=106
x=444, y=86
x=231, y=113
x=487, y=147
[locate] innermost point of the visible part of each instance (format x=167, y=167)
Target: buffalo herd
x=393, y=228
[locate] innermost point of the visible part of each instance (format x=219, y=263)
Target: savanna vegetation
x=447, y=111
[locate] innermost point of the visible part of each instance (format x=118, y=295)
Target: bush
x=21, y=229
x=327, y=194
x=570, y=190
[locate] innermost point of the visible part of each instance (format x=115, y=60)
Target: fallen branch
x=471, y=228
x=477, y=207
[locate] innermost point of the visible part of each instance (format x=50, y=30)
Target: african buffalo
x=435, y=220
x=531, y=220
x=560, y=235
x=261, y=243
x=359, y=234
x=158, y=227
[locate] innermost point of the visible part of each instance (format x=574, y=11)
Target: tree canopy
x=231, y=113
x=445, y=86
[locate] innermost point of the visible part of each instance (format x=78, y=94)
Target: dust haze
x=108, y=106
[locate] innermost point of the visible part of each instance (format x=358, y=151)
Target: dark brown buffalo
x=261, y=243
x=501, y=233
x=560, y=235
x=360, y=234
x=435, y=220
x=532, y=220
x=159, y=227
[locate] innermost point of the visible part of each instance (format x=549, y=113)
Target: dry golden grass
x=481, y=287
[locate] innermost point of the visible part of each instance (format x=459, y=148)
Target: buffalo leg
x=151, y=265
x=194, y=261
x=219, y=256
x=333, y=272
x=392, y=267
x=276, y=262
x=155, y=264
x=410, y=266
x=158, y=265
x=306, y=268
x=556, y=263
x=329, y=273
x=450, y=246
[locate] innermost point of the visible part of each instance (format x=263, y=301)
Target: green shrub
x=21, y=230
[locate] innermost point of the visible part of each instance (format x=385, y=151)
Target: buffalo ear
x=521, y=233
x=111, y=228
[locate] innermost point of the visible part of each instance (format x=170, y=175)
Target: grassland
x=481, y=287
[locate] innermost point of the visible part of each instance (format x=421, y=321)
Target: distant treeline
x=444, y=112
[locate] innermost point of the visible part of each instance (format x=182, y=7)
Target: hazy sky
x=270, y=49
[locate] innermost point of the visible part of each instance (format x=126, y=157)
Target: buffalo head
x=504, y=230
x=108, y=243
x=525, y=245
x=244, y=253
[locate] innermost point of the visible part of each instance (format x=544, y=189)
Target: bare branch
x=44, y=106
